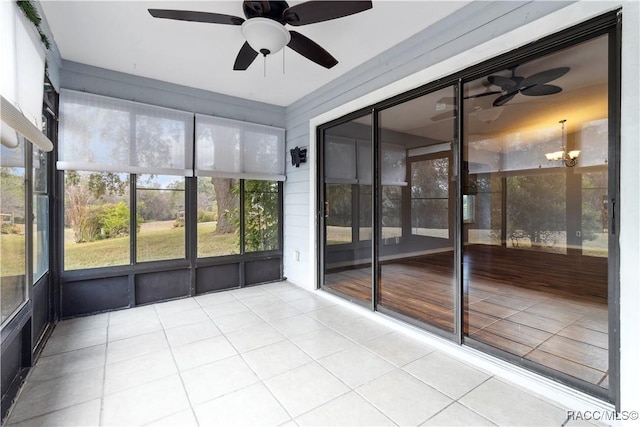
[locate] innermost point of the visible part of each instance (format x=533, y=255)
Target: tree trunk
x=226, y=202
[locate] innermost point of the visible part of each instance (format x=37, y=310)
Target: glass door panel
x=416, y=278
x=535, y=233
x=348, y=210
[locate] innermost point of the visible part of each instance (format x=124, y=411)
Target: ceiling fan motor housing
x=265, y=35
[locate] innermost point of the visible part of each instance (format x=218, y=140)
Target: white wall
x=488, y=40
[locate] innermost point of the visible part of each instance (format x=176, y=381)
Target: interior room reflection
x=533, y=227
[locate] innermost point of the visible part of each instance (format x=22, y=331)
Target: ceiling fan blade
x=245, y=57
x=188, y=15
x=314, y=11
x=545, y=76
x=311, y=50
x=541, y=90
x=501, y=100
x=255, y=8
x=480, y=95
x=503, y=82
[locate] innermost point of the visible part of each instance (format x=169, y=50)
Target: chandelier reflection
x=569, y=158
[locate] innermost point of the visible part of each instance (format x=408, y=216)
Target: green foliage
x=261, y=215
x=115, y=220
x=205, y=216
x=29, y=10
x=103, y=183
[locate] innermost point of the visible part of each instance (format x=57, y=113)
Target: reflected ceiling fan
x=264, y=27
x=534, y=85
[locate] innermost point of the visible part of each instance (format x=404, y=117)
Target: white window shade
x=340, y=160
x=235, y=149
x=21, y=78
x=99, y=133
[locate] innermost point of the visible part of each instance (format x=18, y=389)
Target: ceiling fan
x=264, y=28
x=534, y=85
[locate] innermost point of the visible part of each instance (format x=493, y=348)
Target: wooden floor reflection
x=547, y=308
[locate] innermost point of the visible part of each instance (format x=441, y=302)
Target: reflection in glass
x=348, y=214
x=535, y=251
x=161, y=220
x=416, y=247
x=218, y=208
x=40, y=235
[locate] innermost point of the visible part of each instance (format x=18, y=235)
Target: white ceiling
x=122, y=36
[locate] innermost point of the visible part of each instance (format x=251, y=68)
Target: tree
x=536, y=207
x=227, y=202
x=81, y=194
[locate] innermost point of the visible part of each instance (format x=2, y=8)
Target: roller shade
x=99, y=133
x=235, y=149
x=21, y=79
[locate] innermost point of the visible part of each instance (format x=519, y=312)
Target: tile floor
x=268, y=355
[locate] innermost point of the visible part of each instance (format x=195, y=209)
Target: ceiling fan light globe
x=265, y=35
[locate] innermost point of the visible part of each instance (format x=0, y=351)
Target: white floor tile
x=84, y=414
x=191, y=333
x=216, y=311
x=505, y=404
x=305, y=388
x=202, y=352
x=251, y=406
x=253, y=337
x=279, y=310
x=72, y=326
x=233, y=322
x=297, y=325
x=133, y=372
x=362, y=329
x=446, y=374
x=456, y=415
x=133, y=315
x=321, y=343
x=249, y=292
x=397, y=348
x=184, y=418
x=130, y=348
x=311, y=303
x=403, y=398
x=74, y=341
x=124, y=330
x=145, y=403
x=275, y=359
x=176, y=306
x=70, y=362
x=356, y=366
x=41, y=397
x=181, y=318
x=216, y=379
x=347, y=410
x=215, y=298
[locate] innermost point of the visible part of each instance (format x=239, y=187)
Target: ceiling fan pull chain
x=264, y=66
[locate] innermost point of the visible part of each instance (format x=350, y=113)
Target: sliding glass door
x=536, y=248
x=480, y=208
x=347, y=202
x=417, y=202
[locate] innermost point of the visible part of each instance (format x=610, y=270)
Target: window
x=430, y=197
x=238, y=164
x=468, y=208
x=12, y=236
x=218, y=210
x=160, y=218
x=96, y=219
x=40, y=215
x=261, y=215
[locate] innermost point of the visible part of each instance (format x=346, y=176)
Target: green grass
x=12, y=256
x=153, y=245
